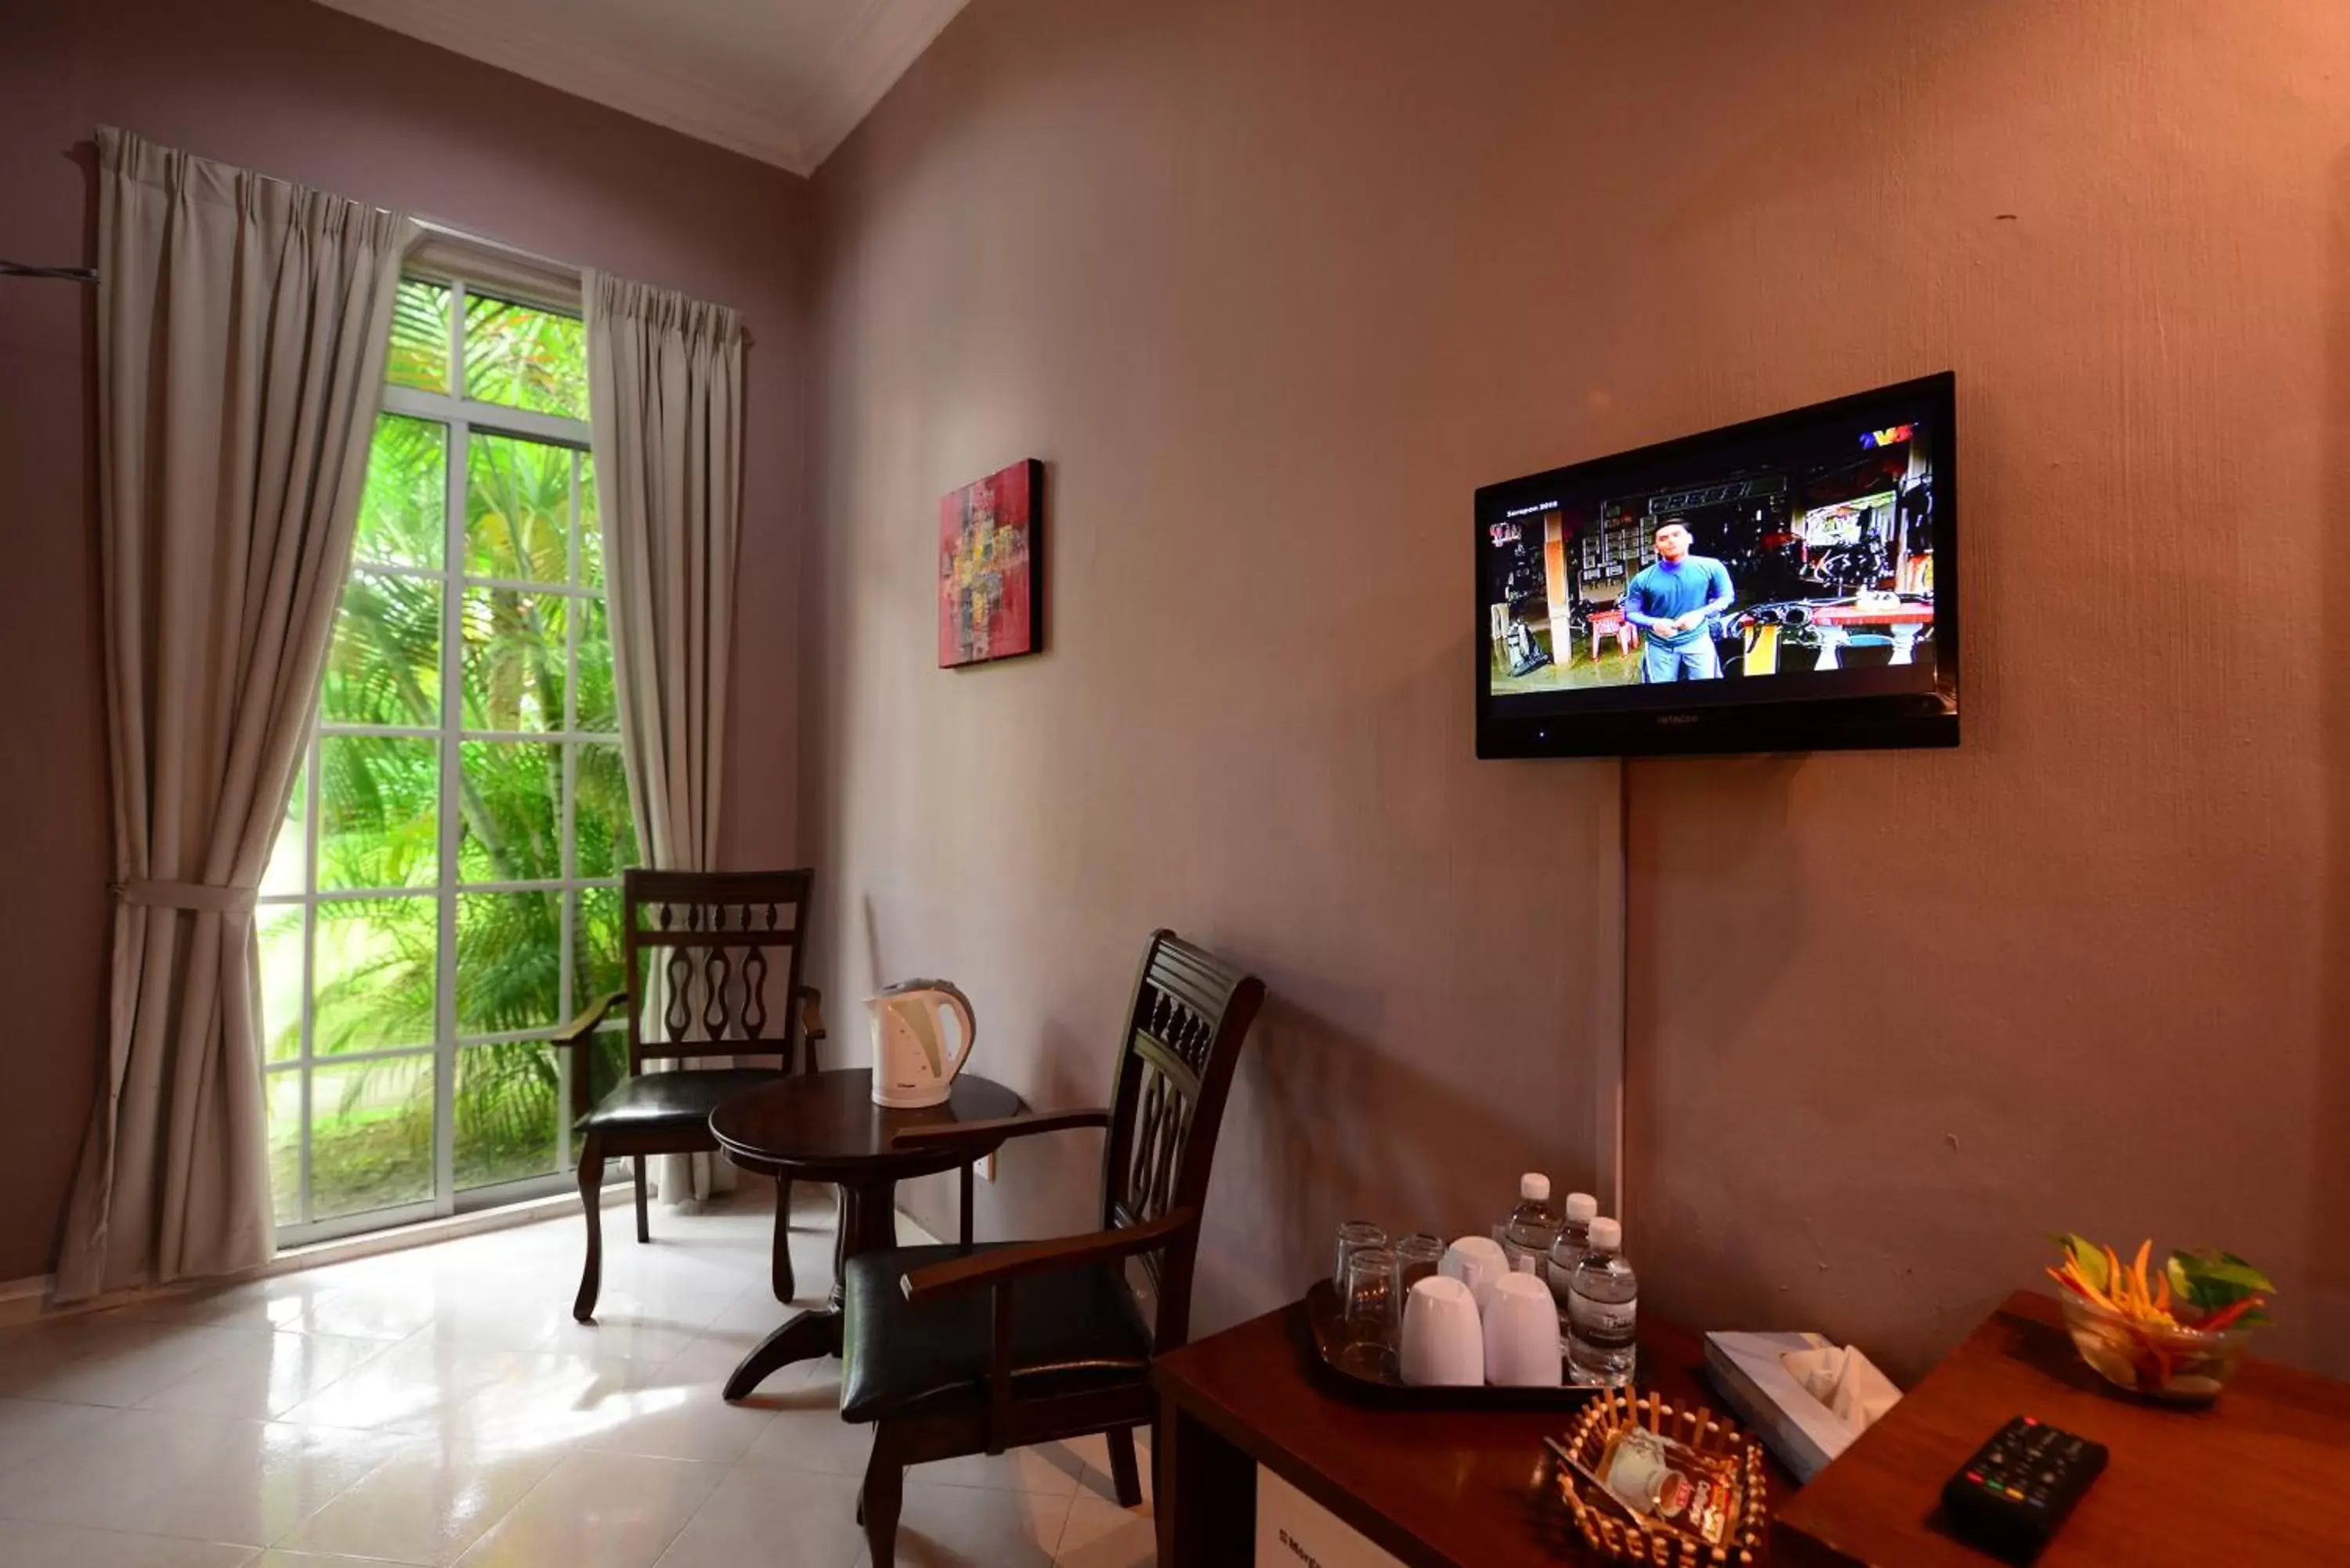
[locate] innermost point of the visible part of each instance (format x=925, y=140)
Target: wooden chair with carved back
x=951, y=1350
x=696, y=951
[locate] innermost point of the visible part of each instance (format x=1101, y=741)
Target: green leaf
x=2088, y=1259
x=2206, y=1281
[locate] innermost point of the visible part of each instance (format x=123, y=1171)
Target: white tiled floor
x=438, y=1406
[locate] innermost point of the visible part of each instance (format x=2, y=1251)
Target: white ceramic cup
x=1443, y=1343
x=1476, y=1262
x=1522, y=1335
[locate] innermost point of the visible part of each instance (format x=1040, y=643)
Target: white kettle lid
x=904, y=986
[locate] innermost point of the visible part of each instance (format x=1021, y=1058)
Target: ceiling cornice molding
x=559, y=59
x=872, y=53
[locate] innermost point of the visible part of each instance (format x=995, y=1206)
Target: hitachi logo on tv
x=1677, y=718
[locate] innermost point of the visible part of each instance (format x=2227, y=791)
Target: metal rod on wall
x=64, y=273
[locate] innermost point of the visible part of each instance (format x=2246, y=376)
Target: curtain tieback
x=204, y=896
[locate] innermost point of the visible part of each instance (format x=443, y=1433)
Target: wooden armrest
x=582, y=1027
x=811, y=1002
x=993, y=1268
x=580, y=1032
x=1000, y=1129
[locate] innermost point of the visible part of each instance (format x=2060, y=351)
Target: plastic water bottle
x=1574, y=1240
x=1527, y=1234
x=1603, y=1310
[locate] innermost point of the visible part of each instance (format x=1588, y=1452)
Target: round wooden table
x=824, y=1126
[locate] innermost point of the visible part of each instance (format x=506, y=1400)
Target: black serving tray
x=1326, y=1333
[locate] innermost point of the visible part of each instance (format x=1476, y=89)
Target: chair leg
x=780, y=1267
x=885, y=1492
x=1123, y=1473
x=591, y=1197
x=644, y=1228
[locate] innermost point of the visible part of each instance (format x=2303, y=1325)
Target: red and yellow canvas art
x=990, y=602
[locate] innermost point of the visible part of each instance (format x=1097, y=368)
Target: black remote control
x=2011, y=1497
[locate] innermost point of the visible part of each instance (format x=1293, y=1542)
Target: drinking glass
x=1353, y=1237
x=1367, y=1289
x=1417, y=1257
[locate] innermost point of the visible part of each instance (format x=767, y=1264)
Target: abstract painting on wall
x=991, y=599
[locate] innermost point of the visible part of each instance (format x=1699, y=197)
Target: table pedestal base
x=868, y=1223
x=808, y=1337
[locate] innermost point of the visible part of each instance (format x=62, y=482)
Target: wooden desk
x=1437, y=1489
x=2258, y=1477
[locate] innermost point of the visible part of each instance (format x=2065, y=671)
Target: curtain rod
x=446, y=231
x=63, y=273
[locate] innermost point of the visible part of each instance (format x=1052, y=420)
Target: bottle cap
x=1607, y=1235
x=1582, y=1208
x=1535, y=1187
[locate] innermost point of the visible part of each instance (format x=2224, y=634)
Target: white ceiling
x=782, y=81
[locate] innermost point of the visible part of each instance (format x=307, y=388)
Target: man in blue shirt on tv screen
x=1670, y=602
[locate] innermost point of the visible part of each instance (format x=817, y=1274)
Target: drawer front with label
x=1293, y=1530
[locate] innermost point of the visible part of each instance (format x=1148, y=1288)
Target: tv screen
x=1789, y=583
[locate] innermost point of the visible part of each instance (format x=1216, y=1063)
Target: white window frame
x=462, y=417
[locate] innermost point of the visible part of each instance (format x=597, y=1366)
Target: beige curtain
x=665, y=397
x=242, y=327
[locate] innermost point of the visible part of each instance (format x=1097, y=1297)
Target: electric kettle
x=910, y=1064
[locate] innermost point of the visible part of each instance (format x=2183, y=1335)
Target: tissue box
x=1748, y=1371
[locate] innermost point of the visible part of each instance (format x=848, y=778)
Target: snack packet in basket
x=1671, y=1483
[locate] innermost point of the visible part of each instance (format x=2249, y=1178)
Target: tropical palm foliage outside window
x=445, y=891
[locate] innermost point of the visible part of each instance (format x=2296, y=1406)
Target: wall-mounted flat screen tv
x=1789, y=583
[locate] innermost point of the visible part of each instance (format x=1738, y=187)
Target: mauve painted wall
x=1272, y=287
x=304, y=93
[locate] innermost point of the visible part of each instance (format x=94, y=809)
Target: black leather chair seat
x=1071, y=1330
x=645, y=1102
